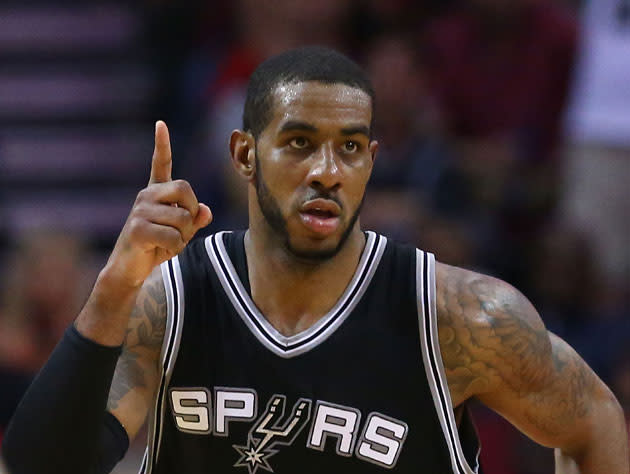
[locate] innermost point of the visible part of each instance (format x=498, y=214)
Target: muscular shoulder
x=490, y=335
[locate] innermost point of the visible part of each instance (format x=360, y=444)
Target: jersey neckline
x=261, y=328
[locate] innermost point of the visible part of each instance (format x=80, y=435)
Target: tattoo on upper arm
x=488, y=336
x=492, y=339
x=133, y=378
x=147, y=325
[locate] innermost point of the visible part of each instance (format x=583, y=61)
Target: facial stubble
x=273, y=215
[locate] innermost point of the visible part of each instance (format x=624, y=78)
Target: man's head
x=306, y=149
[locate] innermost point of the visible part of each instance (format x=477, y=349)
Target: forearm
x=105, y=316
x=56, y=427
x=64, y=408
x=606, y=451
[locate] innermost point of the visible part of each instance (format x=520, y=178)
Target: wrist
x=105, y=316
x=114, y=278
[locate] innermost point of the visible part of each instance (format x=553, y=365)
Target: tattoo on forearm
x=569, y=399
x=147, y=326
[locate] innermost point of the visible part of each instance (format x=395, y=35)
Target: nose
x=325, y=171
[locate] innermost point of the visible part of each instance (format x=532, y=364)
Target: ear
x=243, y=152
x=373, y=147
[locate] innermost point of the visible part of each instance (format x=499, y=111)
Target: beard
x=273, y=215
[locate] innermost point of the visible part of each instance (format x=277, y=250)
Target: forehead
x=320, y=105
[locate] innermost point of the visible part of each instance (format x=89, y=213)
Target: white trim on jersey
x=433, y=364
x=270, y=337
x=174, y=288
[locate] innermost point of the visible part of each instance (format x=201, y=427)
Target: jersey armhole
x=174, y=288
x=433, y=364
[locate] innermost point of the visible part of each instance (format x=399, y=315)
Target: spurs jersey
x=361, y=391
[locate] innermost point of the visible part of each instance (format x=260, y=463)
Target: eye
x=299, y=143
x=350, y=146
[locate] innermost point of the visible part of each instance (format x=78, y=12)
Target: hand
x=164, y=217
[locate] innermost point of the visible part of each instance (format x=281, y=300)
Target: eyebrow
x=356, y=129
x=294, y=125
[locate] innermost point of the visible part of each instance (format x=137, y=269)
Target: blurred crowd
x=504, y=130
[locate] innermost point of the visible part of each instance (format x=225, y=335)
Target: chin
x=315, y=251
x=314, y=255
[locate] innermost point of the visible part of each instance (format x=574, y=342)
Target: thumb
x=161, y=163
x=203, y=217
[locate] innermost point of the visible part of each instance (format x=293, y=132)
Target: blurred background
x=505, y=148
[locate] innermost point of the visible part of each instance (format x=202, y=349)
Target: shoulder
x=485, y=298
x=490, y=334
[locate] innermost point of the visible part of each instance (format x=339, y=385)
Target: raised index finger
x=161, y=164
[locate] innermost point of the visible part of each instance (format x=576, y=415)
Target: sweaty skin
x=317, y=146
x=496, y=348
x=494, y=345
x=126, y=305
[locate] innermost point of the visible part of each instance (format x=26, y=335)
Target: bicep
x=496, y=348
x=136, y=376
x=491, y=337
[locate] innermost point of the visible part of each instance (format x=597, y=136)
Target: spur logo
x=269, y=432
x=380, y=441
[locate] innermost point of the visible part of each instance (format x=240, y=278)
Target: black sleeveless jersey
x=361, y=391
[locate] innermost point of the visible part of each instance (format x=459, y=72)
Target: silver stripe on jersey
x=283, y=346
x=145, y=458
x=174, y=289
x=434, y=367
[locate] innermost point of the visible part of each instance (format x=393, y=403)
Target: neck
x=294, y=293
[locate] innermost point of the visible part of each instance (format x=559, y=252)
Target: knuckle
x=139, y=209
x=182, y=185
x=147, y=194
x=142, y=195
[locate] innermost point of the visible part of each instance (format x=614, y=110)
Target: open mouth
x=321, y=216
x=321, y=208
x=321, y=213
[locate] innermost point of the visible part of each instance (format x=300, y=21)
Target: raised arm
x=136, y=377
x=496, y=348
x=61, y=424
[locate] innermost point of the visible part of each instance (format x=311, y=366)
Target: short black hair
x=310, y=63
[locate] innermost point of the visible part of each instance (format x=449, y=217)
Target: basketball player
x=304, y=344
